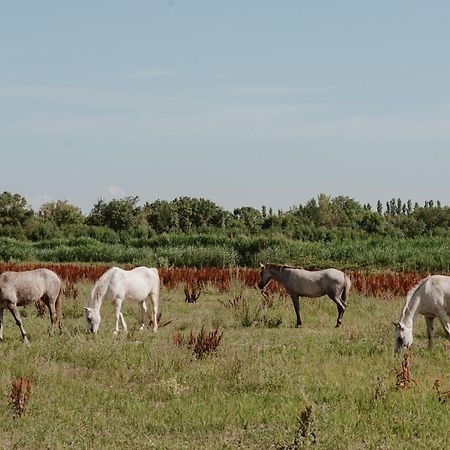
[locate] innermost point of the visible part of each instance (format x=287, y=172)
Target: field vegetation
x=226, y=371
x=189, y=232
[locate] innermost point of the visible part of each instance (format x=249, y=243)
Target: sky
x=245, y=103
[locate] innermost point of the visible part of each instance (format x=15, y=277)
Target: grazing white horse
x=120, y=285
x=300, y=282
x=23, y=288
x=431, y=298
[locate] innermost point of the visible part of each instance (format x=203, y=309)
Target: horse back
x=28, y=286
x=435, y=293
x=135, y=284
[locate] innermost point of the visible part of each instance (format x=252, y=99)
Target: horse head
x=264, y=277
x=403, y=336
x=93, y=319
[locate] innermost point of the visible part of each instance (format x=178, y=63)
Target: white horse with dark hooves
x=304, y=283
x=119, y=285
x=430, y=298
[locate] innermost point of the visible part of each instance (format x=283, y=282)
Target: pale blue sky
x=246, y=103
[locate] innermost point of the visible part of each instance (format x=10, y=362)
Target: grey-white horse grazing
x=23, y=288
x=305, y=283
x=121, y=285
x=431, y=298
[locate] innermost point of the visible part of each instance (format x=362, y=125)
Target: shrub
x=204, y=344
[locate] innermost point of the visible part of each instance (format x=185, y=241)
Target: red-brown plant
x=19, y=396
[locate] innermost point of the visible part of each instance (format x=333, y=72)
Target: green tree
x=119, y=215
x=371, y=222
x=251, y=218
x=206, y=213
x=14, y=210
x=97, y=215
x=162, y=216
x=379, y=207
x=61, y=213
x=433, y=218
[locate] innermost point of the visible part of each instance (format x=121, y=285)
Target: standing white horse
x=300, y=282
x=23, y=288
x=431, y=298
x=120, y=285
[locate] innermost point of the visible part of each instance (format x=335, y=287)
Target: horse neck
x=410, y=310
x=279, y=275
x=96, y=297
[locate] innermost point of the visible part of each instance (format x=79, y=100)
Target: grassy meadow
x=269, y=385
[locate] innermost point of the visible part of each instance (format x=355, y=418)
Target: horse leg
x=443, y=318
x=124, y=325
x=143, y=314
x=15, y=312
x=51, y=310
x=429, y=321
x=119, y=316
x=1, y=324
x=340, y=307
x=155, y=303
x=296, y=302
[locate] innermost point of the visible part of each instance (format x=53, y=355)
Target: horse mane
x=100, y=286
x=281, y=266
x=411, y=293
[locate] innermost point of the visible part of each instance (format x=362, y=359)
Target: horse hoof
x=115, y=333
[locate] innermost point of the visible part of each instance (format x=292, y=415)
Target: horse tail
x=346, y=289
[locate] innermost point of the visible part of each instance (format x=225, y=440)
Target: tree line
x=321, y=218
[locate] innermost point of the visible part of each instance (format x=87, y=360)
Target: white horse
x=120, y=285
x=431, y=298
x=23, y=288
x=300, y=282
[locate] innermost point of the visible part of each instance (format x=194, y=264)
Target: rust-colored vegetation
x=203, y=344
x=385, y=284
x=403, y=373
x=19, y=396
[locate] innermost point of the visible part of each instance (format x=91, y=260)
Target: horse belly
x=29, y=293
x=135, y=292
x=311, y=289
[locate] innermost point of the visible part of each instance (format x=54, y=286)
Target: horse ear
x=86, y=308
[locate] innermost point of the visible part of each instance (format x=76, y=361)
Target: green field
x=202, y=250
x=143, y=391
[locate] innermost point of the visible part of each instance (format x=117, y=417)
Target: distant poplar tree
x=379, y=207
x=398, y=208
x=392, y=206
x=409, y=207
